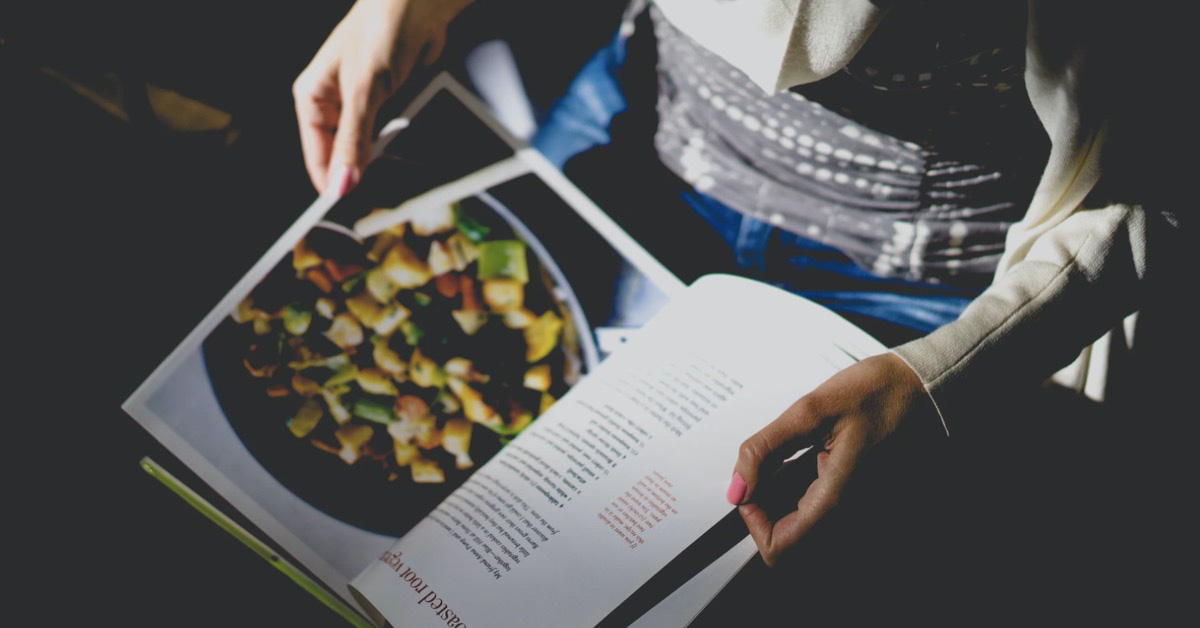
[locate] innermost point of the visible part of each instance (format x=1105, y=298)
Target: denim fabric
x=580, y=120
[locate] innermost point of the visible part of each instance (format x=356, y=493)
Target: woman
x=957, y=184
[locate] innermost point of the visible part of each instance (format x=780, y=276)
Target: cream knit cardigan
x=1070, y=271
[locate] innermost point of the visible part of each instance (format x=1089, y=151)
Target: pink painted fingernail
x=737, y=490
x=343, y=179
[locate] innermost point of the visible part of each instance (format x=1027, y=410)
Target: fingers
x=773, y=537
x=762, y=453
x=318, y=118
x=351, y=143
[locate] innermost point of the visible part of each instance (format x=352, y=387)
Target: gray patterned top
x=913, y=160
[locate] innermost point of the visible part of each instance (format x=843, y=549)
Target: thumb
x=764, y=452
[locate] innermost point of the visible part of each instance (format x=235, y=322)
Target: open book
x=462, y=383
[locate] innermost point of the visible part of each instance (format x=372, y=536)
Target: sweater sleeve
x=1101, y=231
x=1077, y=281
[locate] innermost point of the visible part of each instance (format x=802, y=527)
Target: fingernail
x=343, y=179
x=737, y=490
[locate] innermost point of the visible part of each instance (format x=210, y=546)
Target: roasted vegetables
x=403, y=351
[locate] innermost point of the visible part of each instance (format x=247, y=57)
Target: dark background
x=121, y=235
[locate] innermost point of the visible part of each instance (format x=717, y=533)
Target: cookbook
x=462, y=395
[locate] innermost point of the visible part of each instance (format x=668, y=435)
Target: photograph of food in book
x=442, y=389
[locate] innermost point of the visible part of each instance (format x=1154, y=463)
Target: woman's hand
x=842, y=419
x=366, y=59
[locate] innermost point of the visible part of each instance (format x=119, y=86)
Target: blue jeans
x=580, y=120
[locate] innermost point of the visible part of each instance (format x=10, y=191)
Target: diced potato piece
x=364, y=308
x=427, y=220
x=245, y=311
x=410, y=407
x=422, y=431
x=538, y=377
x=376, y=382
x=463, y=369
x=384, y=242
x=404, y=268
x=345, y=331
x=473, y=405
x=503, y=295
x=542, y=336
x=326, y=307
x=440, y=259
x=405, y=453
x=388, y=360
x=448, y=403
x=463, y=250
x=390, y=318
x=352, y=437
x=380, y=285
x=425, y=372
x=306, y=418
x=333, y=401
x=303, y=258
x=425, y=471
x=456, y=439
x=469, y=320
x=545, y=404
x=519, y=318
x=262, y=324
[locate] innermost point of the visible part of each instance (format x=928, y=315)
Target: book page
x=622, y=474
x=252, y=402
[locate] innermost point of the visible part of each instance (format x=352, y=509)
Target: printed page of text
x=622, y=474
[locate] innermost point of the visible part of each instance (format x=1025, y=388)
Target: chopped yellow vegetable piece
x=425, y=471
x=472, y=402
x=405, y=453
x=244, y=312
x=469, y=320
x=304, y=258
x=425, y=372
x=303, y=386
x=376, y=382
x=519, y=318
x=388, y=360
x=306, y=419
x=538, y=377
x=503, y=295
x=404, y=268
x=542, y=336
x=381, y=286
x=326, y=307
x=345, y=331
x=545, y=404
x=352, y=437
x=365, y=309
x=456, y=439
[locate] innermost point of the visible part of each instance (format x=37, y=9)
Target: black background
x=119, y=237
